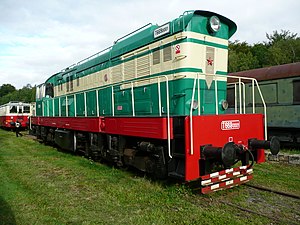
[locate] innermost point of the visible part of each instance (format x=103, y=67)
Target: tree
x=277, y=37
x=240, y=57
x=280, y=48
x=260, y=51
x=26, y=94
x=5, y=89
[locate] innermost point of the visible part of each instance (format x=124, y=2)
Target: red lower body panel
x=71, y=123
x=218, y=130
x=139, y=127
x=128, y=126
x=8, y=121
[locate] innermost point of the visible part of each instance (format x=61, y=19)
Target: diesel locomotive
x=156, y=100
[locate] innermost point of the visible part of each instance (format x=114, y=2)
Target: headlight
x=224, y=104
x=214, y=24
x=195, y=104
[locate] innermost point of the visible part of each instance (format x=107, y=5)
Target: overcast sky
x=41, y=37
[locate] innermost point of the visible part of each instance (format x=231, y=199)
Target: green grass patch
x=278, y=176
x=40, y=185
x=290, y=151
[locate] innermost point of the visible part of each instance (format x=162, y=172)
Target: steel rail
x=273, y=191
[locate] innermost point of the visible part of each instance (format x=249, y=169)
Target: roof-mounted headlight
x=214, y=24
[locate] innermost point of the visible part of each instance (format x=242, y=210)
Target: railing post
x=47, y=107
x=199, y=101
x=85, y=106
x=244, y=97
x=42, y=108
x=97, y=104
x=132, y=99
x=159, y=96
x=235, y=99
x=191, y=118
x=168, y=117
x=265, y=109
x=75, y=105
x=253, y=97
x=216, y=94
x=112, y=101
x=59, y=107
x=240, y=95
x=53, y=108
x=67, y=108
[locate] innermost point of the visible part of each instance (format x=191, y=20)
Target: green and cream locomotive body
x=174, y=53
x=154, y=100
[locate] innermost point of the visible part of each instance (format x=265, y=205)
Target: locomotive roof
x=139, y=38
x=16, y=103
x=271, y=73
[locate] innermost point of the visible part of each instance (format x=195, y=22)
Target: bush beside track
x=40, y=185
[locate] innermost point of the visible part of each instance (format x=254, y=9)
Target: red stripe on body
x=128, y=126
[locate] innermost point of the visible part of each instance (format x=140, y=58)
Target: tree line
x=9, y=93
x=280, y=48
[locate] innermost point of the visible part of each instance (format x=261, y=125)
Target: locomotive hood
x=231, y=25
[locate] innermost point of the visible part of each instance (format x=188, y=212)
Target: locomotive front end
x=216, y=144
x=216, y=141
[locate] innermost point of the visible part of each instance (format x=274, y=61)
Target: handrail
x=112, y=101
x=242, y=101
x=132, y=32
x=265, y=109
x=86, y=59
x=43, y=109
x=253, y=98
x=168, y=116
x=216, y=94
x=191, y=117
x=159, y=102
x=59, y=107
x=186, y=13
x=92, y=56
x=53, y=108
x=132, y=100
x=159, y=96
x=199, y=100
x=67, y=108
x=85, y=104
x=97, y=105
x=255, y=83
x=75, y=106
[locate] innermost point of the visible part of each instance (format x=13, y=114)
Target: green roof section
x=194, y=21
x=228, y=27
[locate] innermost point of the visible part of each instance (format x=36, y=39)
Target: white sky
x=41, y=37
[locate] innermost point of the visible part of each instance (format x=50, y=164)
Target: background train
x=156, y=101
x=280, y=86
x=13, y=111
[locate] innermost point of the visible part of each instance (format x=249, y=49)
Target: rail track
x=285, y=194
x=274, y=218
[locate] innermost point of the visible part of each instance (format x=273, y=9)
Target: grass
x=40, y=185
x=278, y=176
x=290, y=151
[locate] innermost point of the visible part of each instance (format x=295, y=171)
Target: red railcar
x=15, y=111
